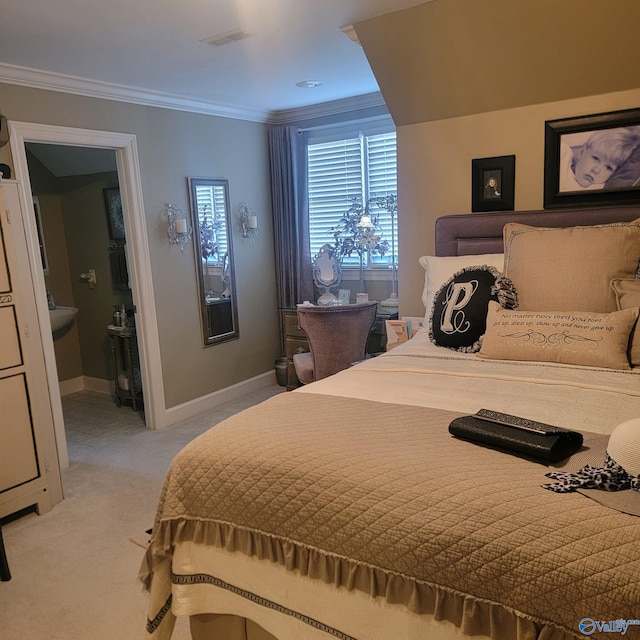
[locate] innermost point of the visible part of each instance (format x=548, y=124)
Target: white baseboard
x=215, y=399
x=181, y=411
x=99, y=385
x=86, y=383
x=71, y=386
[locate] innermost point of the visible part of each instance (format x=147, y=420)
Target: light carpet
x=74, y=570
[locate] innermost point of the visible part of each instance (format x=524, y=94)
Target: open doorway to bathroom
x=140, y=272
x=83, y=248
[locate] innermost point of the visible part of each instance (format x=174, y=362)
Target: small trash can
x=282, y=374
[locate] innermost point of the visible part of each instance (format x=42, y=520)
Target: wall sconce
x=249, y=222
x=179, y=230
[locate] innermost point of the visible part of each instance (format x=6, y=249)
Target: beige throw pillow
x=568, y=337
x=570, y=269
x=628, y=297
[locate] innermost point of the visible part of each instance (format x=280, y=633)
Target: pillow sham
x=568, y=337
x=438, y=269
x=459, y=313
x=628, y=297
x=570, y=269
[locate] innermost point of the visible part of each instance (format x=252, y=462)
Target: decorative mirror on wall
x=213, y=249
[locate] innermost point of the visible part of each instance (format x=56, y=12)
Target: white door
x=29, y=469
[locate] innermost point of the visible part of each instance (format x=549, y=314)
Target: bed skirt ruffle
x=472, y=615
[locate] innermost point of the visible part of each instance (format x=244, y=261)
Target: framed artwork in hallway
x=115, y=219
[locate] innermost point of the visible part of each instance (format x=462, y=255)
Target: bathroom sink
x=61, y=316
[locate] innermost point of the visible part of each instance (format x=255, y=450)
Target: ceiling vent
x=226, y=38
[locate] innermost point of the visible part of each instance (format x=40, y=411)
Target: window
x=212, y=213
x=346, y=165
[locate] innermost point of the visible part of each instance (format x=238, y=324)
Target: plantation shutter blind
x=214, y=205
x=335, y=174
x=382, y=171
x=356, y=166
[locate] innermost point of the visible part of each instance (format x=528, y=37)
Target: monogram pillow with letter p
x=459, y=313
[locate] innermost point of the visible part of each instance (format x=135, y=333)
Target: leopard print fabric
x=610, y=477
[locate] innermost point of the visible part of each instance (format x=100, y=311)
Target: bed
x=346, y=509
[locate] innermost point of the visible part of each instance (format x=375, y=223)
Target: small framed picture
x=493, y=183
x=592, y=160
x=115, y=219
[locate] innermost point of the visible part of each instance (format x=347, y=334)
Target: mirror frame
x=208, y=338
x=327, y=250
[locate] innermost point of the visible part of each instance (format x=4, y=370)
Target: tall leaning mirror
x=213, y=250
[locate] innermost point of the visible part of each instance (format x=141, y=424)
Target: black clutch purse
x=519, y=435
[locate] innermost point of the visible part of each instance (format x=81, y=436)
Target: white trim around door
x=125, y=146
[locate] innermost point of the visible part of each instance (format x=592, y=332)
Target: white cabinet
x=29, y=470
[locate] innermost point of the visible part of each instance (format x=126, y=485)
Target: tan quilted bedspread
x=379, y=497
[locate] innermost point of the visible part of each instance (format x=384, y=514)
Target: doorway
x=83, y=250
x=125, y=149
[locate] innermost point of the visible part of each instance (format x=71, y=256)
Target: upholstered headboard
x=475, y=233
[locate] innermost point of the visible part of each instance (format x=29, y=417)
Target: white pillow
x=438, y=269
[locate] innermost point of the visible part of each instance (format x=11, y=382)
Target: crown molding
x=50, y=81
x=322, y=109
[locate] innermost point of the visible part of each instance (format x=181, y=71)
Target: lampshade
x=365, y=220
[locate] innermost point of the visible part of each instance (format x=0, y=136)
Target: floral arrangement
x=209, y=228
x=358, y=232
x=351, y=236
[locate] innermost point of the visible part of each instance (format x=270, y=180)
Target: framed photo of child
x=493, y=183
x=592, y=160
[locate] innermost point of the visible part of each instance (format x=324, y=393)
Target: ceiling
x=152, y=51
x=63, y=160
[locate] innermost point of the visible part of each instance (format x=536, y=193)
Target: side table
x=377, y=340
x=126, y=369
x=294, y=341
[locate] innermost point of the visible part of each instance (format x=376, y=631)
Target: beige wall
x=58, y=281
x=453, y=58
x=434, y=171
x=173, y=145
x=87, y=240
x=77, y=239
